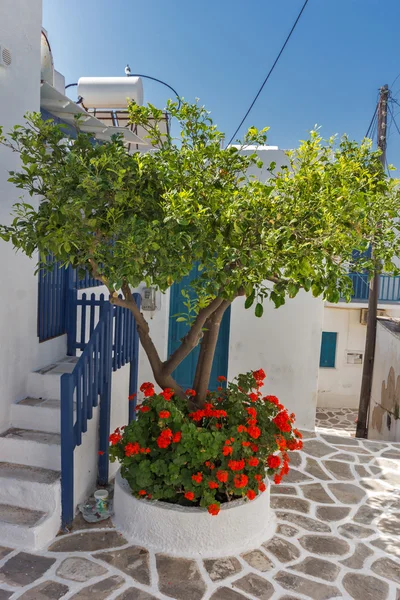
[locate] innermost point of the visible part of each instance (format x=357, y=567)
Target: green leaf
x=259, y=310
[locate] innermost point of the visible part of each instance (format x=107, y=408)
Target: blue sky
x=221, y=50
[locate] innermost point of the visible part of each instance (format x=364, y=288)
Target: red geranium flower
x=177, y=437
x=221, y=378
x=253, y=461
x=144, y=409
x=227, y=450
x=167, y=394
x=241, y=428
x=254, y=431
x=142, y=493
x=251, y=494
x=237, y=465
x=190, y=392
x=262, y=487
x=213, y=485
x=164, y=414
x=252, y=411
x=100, y=452
x=258, y=477
x=131, y=396
x=146, y=386
x=246, y=444
x=273, y=461
x=272, y=399
x=132, y=449
x=189, y=495
x=213, y=509
x=282, y=421
x=149, y=393
x=253, y=397
x=240, y=481
x=198, y=477
x=115, y=438
x=254, y=447
x=222, y=476
x=277, y=479
x=259, y=375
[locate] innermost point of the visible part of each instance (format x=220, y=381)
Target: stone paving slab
x=336, y=537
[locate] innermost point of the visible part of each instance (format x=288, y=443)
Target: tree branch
x=191, y=339
x=207, y=351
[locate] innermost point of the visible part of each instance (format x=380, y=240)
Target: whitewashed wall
x=285, y=342
x=340, y=386
x=385, y=395
x=20, y=352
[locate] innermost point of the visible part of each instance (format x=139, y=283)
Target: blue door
x=184, y=373
x=328, y=350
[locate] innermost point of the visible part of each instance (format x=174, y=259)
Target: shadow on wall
x=385, y=415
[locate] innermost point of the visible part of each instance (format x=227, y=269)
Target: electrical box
x=354, y=358
x=149, y=299
x=364, y=315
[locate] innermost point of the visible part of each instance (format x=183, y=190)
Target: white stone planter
x=183, y=531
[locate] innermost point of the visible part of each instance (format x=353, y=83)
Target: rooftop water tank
x=110, y=92
x=46, y=66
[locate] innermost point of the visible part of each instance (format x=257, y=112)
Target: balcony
x=389, y=288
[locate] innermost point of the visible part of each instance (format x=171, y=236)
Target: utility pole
x=369, y=354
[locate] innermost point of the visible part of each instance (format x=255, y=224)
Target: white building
x=285, y=343
x=343, y=342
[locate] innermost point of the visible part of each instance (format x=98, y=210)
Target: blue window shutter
x=328, y=349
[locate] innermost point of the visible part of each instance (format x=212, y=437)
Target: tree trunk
x=207, y=352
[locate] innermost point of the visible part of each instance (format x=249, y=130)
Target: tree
x=149, y=217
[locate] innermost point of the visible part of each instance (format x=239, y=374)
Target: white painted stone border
x=192, y=532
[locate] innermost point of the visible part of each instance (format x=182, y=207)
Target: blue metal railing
x=112, y=343
x=389, y=288
x=52, y=301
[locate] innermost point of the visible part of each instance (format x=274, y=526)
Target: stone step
x=29, y=487
x=36, y=413
x=26, y=528
x=31, y=447
x=45, y=383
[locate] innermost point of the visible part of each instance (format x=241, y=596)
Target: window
x=328, y=349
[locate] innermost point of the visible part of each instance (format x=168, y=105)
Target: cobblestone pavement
x=341, y=420
x=337, y=536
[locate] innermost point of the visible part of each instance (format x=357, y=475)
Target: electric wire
x=270, y=71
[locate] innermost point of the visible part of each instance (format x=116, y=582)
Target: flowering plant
x=218, y=453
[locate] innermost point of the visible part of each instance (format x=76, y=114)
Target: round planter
x=183, y=531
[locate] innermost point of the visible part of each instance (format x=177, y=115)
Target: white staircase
x=30, y=453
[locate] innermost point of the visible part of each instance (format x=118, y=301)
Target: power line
x=393, y=119
x=270, y=71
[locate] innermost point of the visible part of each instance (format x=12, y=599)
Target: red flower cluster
x=237, y=465
x=207, y=412
x=131, y=397
x=190, y=392
x=177, y=437
x=259, y=376
x=214, y=509
x=132, y=449
x=273, y=461
x=167, y=394
x=189, y=495
x=165, y=438
x=253, y=461
x=254, y=431
x=115, y=437
x=251, y=494
x=148, y=389
x=240, y=481
x=222, y=476
x=253, y=397
x=213, y=485
x=164, y=414
x=273, y=400
x=282, y=421
x=198, y=477
x=221, y=378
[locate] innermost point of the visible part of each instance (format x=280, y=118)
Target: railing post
x=71, y=320
x=67, y=450
x=105, y=399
